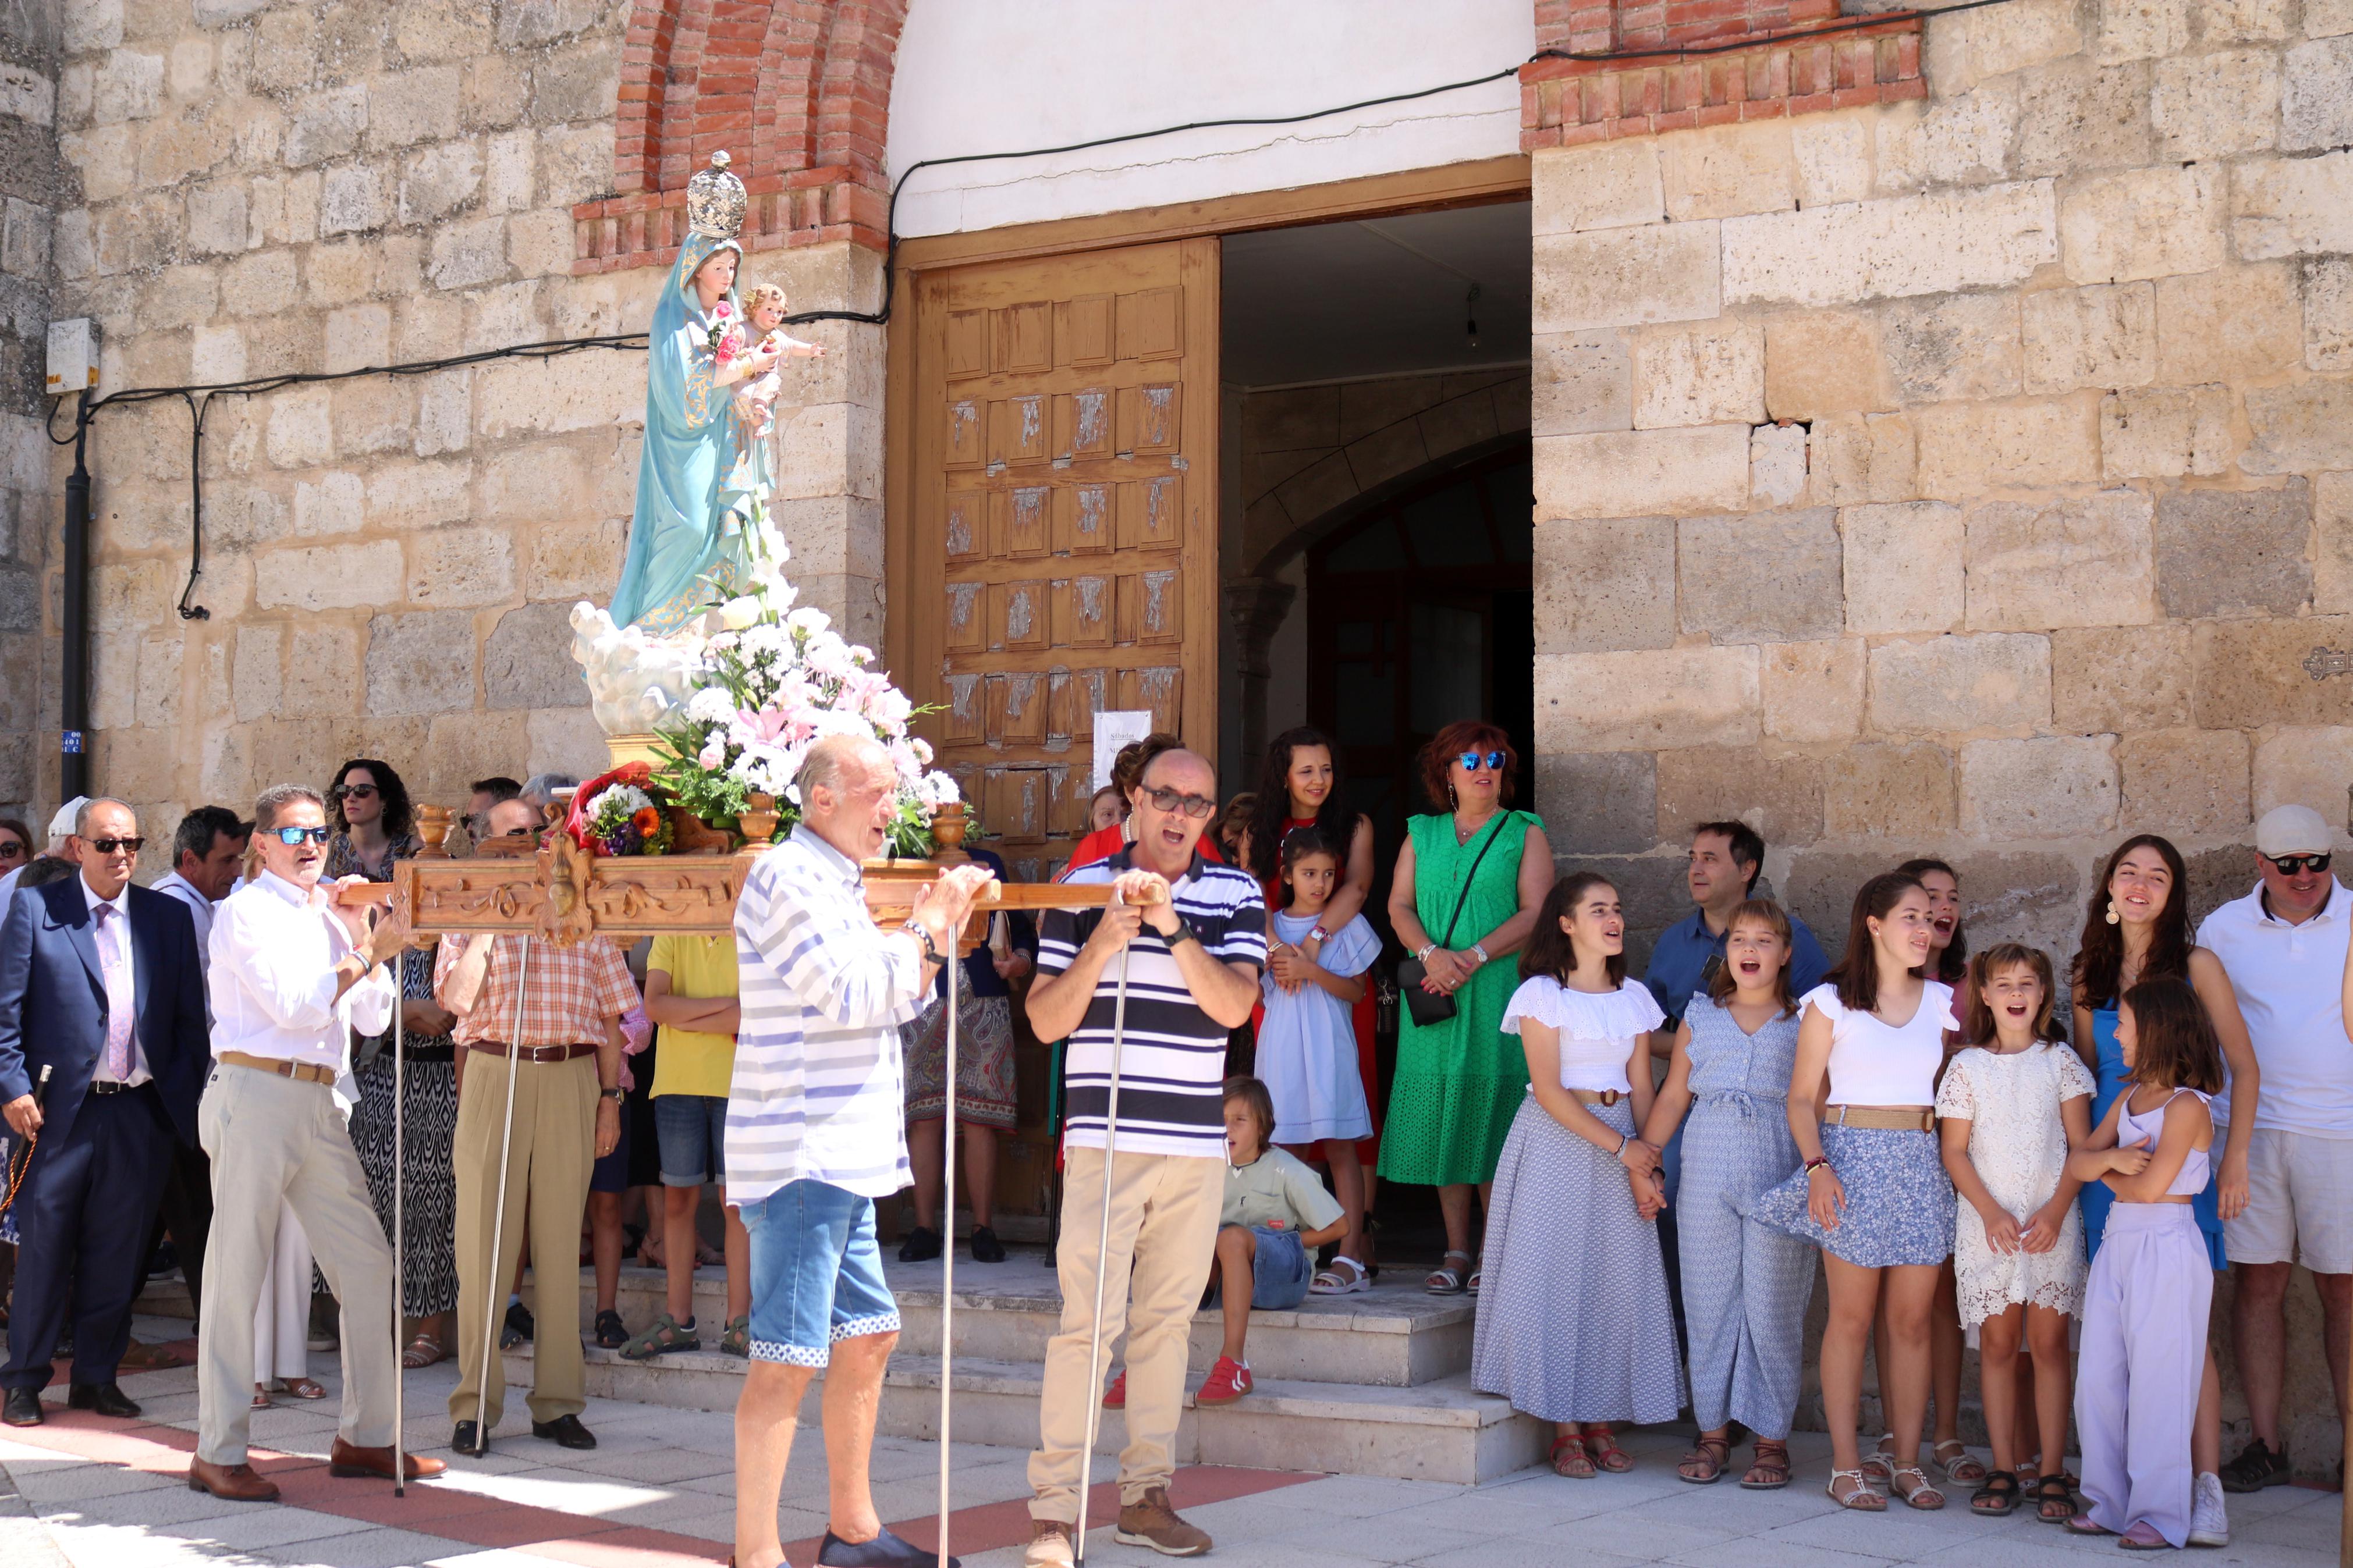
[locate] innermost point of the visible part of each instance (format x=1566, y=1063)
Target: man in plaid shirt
x=560, y=1009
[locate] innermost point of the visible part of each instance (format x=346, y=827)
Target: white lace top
x=1597, y=1029
x=2018, y=1144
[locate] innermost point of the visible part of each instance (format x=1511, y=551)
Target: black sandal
x=610, y=1332
x=1997, y=1495
x=2054, y=1489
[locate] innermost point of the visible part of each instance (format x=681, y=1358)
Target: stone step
x=1440, y=1431
x=1393, y=1336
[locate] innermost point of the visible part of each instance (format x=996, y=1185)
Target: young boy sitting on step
x=1276, y=1214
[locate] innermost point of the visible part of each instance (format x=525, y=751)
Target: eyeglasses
x=296, y=835
x=1192, y=805
x=2296, y=865
x=111, y=846
x=1471, y=761
x=355, y=791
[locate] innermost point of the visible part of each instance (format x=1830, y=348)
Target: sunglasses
x=11, y=851
x=1192, y=805
x=2296, y=865
x=1471, y=761
x=111, y=846
x=296, y=835
x=355, y=791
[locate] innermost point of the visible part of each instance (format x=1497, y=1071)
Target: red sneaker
x=1115, y=1396
x=1228, y=1381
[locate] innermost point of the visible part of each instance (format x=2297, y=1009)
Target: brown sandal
x=303, y=1388
x=1603, y=1444
x=1569, y=1459
x=1704, y=1466
x=423, y=1351
x=1770, y=1472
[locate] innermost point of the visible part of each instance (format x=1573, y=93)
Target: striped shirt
x=818, y=1092
x=1172, y=1067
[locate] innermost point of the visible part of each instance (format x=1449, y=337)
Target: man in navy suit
x=101, y=983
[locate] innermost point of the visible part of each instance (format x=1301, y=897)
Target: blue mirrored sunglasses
x=1472, y=760
x=296, y=835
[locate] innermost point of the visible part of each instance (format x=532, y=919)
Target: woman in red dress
x=1300, y=785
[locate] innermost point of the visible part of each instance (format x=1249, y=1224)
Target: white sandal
x=1878, y=1465
x=1862, y=1499
x=1333, y=1282
x=1446, y=1279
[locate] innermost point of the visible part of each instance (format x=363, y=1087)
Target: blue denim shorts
x=1281, y=1271
x=692, y=1131
x=817, y=1274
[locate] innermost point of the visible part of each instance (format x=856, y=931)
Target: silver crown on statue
x=715, y=200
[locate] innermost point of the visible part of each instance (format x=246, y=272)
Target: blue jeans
x=692, y=1131
x=817, y=1273
x=1281, y=1271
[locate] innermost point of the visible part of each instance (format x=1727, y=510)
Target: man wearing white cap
x=61, y=846
x=2283, y=947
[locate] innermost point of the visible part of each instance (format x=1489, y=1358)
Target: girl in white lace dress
x=2011, y=1106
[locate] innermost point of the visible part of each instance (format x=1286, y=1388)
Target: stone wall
x=273, y=186
x=28, y=201
x=1971, y=475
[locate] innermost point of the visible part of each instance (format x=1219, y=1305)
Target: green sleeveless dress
x=1458, y=1084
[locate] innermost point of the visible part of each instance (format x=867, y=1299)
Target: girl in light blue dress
x=1746, y=1285
x=1307, y=1045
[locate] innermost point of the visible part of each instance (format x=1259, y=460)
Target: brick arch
x=797, y=92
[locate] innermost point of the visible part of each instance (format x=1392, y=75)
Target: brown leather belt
x=1884, y=1118
x=1597, y=1096
x=533, y=1053
x=307, y=1072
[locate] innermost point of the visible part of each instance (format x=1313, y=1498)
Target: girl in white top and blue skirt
x=1573, y=1323
x=1872, y=1192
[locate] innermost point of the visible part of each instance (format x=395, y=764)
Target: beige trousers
x=1164, y=1235
x=278, y=1141
x=547, y=1182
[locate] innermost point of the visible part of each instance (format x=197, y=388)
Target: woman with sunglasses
x=1468, y=882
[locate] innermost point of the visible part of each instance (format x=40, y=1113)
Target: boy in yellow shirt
x=691, y=997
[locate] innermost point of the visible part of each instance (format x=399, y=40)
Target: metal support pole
x=399, y=1234
x=493, y=1364
x=1103, y=1260
x=947, y=1253
x=73, y=615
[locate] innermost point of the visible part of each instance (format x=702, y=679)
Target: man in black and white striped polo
x=1194, y=958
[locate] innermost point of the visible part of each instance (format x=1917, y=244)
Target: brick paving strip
x=475, y=1520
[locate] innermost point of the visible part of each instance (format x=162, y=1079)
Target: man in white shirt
x=206, y=850
x=2282, y=946
x=292, y=974
x=815, y=1135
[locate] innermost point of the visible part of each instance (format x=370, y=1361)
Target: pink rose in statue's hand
x=730, y=346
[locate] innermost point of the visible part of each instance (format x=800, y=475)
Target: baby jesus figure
x=764, y=314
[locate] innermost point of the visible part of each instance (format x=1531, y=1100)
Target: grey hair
x=82, y=815
x=823, y=764
x=540, y=788
x=266, y=804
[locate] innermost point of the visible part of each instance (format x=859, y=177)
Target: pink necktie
x=121, y=1005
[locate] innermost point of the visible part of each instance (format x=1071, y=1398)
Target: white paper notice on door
x=1113, y=730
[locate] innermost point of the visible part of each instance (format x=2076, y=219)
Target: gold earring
x=2114, y=918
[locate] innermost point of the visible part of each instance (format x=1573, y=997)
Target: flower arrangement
x=773, y=680
x=725, y=336
x=622, y=819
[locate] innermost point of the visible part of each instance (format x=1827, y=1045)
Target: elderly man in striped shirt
x=816, y=1133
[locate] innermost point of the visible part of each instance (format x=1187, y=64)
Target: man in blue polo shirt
x=1725, y=858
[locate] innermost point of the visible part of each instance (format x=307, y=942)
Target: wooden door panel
x=1059, y=404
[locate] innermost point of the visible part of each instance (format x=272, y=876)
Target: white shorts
x=2299, y=1204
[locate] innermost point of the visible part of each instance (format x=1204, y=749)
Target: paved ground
x=657, y=1493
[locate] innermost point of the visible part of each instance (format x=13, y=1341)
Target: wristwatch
x=1181, y=935
x=1319, y=935
x=614, y=1094
x=1479, y=951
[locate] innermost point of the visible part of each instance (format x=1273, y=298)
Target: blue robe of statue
x=703, y=484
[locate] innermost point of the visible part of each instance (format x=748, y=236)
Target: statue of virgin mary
x=702, y=480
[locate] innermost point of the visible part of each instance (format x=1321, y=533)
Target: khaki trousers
x=1164, y=1235
x=547, y=1182
x=280, y=1141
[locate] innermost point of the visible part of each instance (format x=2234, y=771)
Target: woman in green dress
x=1458, y=1084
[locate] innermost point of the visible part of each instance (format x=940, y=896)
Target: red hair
x=1465, y=735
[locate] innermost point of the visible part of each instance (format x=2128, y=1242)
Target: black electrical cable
x=637, y=341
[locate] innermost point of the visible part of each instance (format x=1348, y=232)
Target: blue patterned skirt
x=1899, y=1202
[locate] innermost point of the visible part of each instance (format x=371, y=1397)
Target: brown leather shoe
x=349, y=1460
x=1050, y=1544
x=237, y=1483
x=1154, y=1523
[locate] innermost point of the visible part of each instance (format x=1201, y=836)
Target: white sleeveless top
x=1597, y=1029
x=1872, y=1063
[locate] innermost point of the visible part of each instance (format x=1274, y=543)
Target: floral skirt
x=1899, y=1202
x=984, y=1095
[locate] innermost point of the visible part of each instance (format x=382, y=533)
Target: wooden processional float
x=548, y=886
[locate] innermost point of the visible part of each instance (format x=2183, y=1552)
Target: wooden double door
x=1063, y=535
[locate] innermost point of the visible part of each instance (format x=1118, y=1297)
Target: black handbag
x=1429, y=1007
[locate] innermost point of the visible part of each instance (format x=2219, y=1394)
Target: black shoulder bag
x=1429, y=1007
